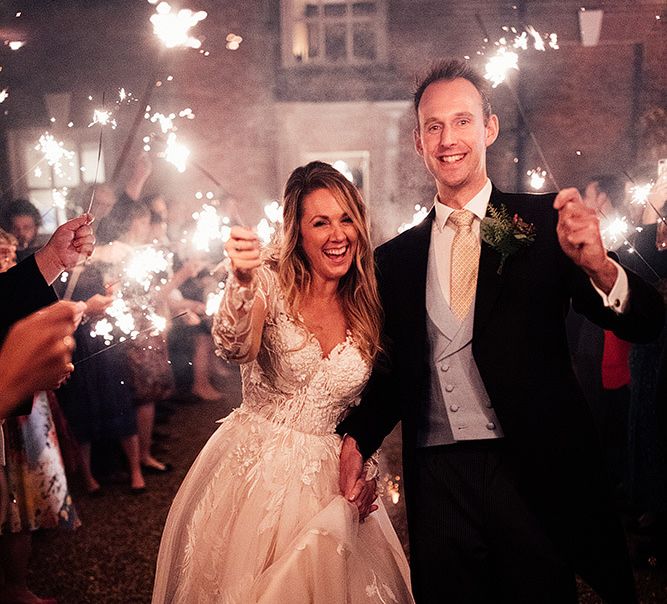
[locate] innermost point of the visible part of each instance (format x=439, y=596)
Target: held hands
x=69, y=243
x=579, y=236
x=243, y=250
x=352, y=484
x=37, y=353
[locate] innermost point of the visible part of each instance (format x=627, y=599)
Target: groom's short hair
x=451, y=69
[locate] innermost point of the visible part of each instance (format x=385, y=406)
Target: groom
x=505, y=485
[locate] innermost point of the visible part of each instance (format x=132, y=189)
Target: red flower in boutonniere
x=506, y=234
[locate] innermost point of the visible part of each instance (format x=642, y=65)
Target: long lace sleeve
x=232, y=324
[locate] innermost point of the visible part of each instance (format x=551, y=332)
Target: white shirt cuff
x=617, y=298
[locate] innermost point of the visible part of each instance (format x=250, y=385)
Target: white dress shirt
x=442, y=235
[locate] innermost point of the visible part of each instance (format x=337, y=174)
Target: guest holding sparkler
x=33, y=484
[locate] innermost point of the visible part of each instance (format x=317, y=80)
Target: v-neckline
x=313, y=337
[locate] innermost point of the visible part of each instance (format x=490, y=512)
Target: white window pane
x=43, y=200
x=89, y=164
x=313, y=40
x=311, y=10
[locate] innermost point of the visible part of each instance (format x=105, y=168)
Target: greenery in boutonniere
x=505, y=233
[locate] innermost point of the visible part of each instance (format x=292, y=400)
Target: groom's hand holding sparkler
x=579, y=236
x=69, y=243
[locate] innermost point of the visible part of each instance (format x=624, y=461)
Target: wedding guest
x=34, y=492
x=22, y=219
x=506, y=489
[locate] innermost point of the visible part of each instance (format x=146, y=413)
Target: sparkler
x=640, y=193
x=145, y=263
x=419, y=215
x=210, y=226
x=176, y=153
x=613, y=230
x=120, y=341
x=4, y=94
x=173, y=28
x=537, y=178
x=103, y=118
x=54, y=152
x=498, y=66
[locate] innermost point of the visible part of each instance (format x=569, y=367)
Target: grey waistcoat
x=458, y=407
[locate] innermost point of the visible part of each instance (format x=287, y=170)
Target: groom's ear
x=492, y=129
x=418, y=141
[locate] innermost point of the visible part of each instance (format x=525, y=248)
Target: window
x=333, y=32
x=49, y=168
x=352, y=164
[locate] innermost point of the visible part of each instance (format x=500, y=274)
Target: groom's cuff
x=617, y=298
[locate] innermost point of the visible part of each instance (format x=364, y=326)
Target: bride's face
x=328, y=235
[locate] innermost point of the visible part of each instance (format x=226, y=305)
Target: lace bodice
x=290, y=382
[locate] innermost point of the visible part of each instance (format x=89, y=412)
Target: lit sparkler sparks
x=103, y=118
x=640, y=193
x=54, y=152
x=613, y=231
x=213, y=300
x=498, y=66
x=417, y=217
x=173, y=28
x=176, y=153
x=145, y=263
x=233, y=42
x=4, y=95
x=537, y=178
x=59, y=197
x=210, y=226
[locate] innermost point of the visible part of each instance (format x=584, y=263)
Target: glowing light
x=538, y=42
x=213, y=300
x=209, y=226
x=274, y=212
x=145, y=263
x=158, y=322
x=419, y=215
x=4, y=94
x=166, y=121
x=54, y=152
x=613, y=231
x=176, y=153
x=392, y=488
x=537, y=178
x=122, y=95
x=15, y=44
x=344, y=169
x=59, y=197
x=173, y=28
x=640, y=193
x=233, y=42
x=498, y=66
x=103, y=118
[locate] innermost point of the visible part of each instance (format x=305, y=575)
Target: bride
x=260, y=517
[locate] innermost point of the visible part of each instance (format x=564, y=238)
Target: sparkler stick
x=540, y=152
x=97, y=166
x=152, y=328
x=661, y=218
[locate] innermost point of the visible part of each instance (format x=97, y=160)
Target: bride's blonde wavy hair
x=358, y=288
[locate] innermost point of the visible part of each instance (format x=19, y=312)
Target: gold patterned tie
x=465, y=263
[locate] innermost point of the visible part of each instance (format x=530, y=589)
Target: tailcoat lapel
x=489, y=282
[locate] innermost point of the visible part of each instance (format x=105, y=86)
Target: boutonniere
x=505, y=233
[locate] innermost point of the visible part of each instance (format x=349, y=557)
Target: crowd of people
x=443, y=329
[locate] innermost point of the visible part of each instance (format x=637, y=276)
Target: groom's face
x=452, y=138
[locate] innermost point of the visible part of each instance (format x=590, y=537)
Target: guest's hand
x=579, y=236
x=352, y=484
x=70, y=243
x=97, y=304
x=37, y=352
x=243, y=250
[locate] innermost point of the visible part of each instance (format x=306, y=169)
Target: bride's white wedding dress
x=259, y=517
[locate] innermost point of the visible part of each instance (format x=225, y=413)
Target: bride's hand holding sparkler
x=243, y=250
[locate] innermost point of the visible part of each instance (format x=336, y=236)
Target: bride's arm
x=238, y=324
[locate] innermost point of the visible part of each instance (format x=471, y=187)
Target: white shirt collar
x=477, y=205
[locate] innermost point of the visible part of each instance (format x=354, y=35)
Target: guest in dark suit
x=506, y=490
